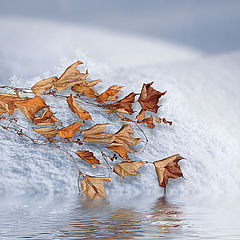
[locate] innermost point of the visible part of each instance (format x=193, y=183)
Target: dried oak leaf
x=122, y=106
x=168, y=168
x=43, y=85
x=127, y=168
x=69, y=131
x=8, y=102
x=46, y=118
x=88, y=157
x=47, y=132
x=93, y=187
x=76, y=108
x=149, y=97
x=87, y=88
x=109, y=94
x=31, y=106
x=70, y=77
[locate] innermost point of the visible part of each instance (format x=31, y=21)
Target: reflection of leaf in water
x=166, y=214
x=125, y=224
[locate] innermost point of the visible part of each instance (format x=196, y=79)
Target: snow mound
x=203, y=103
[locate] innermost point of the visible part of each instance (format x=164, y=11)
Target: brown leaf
x=149, y=122
x=123, y=106
x=8, y=102
x=70, y=77
x=95, y=134
x=109, y=94
x=149, y=98
x=159, y=120
x=168, y=168
x=69, y=131
x=124, y=118
x=140, y=116
x=31, y=106
x=93, y=187
x=120, y=149
x=88, y=157
x=44, y=84
x=86, y=88
x=46, y=118
x=47, y=132
x=127, y=168
x=76, y=108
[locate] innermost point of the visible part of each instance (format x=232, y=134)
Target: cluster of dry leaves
x=119, y=142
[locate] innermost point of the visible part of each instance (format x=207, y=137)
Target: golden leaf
x=93, y=187
x=70, y=77
x=88, y=157
x=168, y=168
x=46, y=118
x=8, y=102
x=86, y=88
x=43, y=85
x=47, y=132
x=31, y=106
x=149, y=98
x=76, y=108
x=69, y=131
x=127, y=168
x=109, y=94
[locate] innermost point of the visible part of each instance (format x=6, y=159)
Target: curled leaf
x=122, y=106
x=76, y=108
x=87, y=88
x=149, y=97
x=8, y=103
x=43, y=85
x=88, y=157
x=120, y=149
x=109, y=94
x=141, y=116
x=127, y=168
x=93, y=187
x=69, y=131
x=168, y=168
x=31, y=106
x=46, y=118
x=159, y=120
x=70, y=77
x=47, y=132
x=149, y=122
